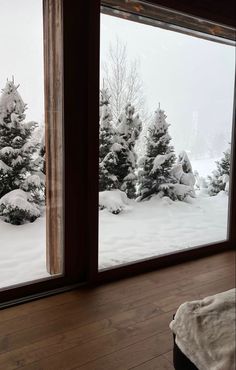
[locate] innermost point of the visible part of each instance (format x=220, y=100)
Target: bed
x=204, y=333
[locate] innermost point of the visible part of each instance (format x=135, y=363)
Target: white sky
x=21, y=51
x=192, y=78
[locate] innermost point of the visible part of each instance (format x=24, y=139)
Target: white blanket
x=205, y=331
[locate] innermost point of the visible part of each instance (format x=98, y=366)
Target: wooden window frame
x=78, y=78
x=66, y=148
x=205, y=26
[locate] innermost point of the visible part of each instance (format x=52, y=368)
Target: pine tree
x=220, y=176
x=159, y=159
x=17, y=149
x=36, y=182
x=129, y=128
x=107, y=154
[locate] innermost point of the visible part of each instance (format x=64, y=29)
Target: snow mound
x=114, y=201
x=17, y=207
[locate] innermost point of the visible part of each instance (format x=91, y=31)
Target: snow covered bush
x=155, y=166
x=184, y=160
x=17, y=207
x=177, y=191
x=114, y=201
x=183, y=173
x=219, y=180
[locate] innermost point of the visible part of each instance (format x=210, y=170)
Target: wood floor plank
x=144, y=289
x=123, y=323
x=76, y=306
x=157, y=363
x=115, y=316
x=105, y=345
x=161, y=276
x=133, y=355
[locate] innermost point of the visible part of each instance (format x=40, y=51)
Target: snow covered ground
x=160, y=226
x=22, y=252
x=140, y=231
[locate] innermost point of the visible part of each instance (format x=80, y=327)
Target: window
x=31, y=193
x=71, y=88
x=31, y=143
x=165, y=133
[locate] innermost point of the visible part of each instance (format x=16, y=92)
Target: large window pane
x=166, y=107
x=25, y=150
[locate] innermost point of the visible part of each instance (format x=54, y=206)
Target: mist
x=192, y=78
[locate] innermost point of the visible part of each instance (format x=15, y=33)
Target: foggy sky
x=192, y=78
x=21, y=51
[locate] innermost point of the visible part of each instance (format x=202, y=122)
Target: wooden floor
x=119, y=326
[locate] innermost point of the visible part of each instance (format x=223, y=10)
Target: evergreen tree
x=129, y=128
x=17, y=149
x=35, y=183
x=159, y=159
x=107, y=156
x=220, y=177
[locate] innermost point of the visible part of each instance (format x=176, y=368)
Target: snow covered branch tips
x=156, y=165
x=21, y=179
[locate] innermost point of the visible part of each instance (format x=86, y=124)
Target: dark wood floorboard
x=118, y=326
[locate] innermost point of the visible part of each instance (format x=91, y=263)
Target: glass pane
x=166, y=107
x=23, y=154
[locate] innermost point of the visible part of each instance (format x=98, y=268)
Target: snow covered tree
x=107, y=156
x=156, y=165
x=129, y=128
x=219, y=179
x=17, y=149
